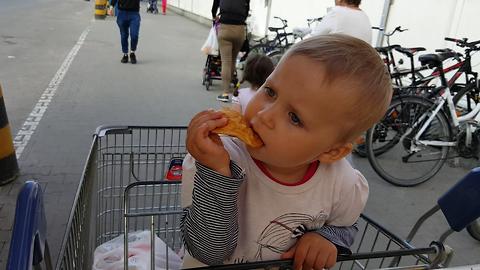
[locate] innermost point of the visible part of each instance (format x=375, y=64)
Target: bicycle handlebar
x=453, y=40
x=283, y=20
x=397, y=29
x=312, y=20
x=463, y=43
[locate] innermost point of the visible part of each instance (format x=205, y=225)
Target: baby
x=295, y=196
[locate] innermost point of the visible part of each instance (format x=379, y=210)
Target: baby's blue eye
x=270, y=92
x=294, y=118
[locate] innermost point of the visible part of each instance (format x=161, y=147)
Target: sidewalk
x=164, y=88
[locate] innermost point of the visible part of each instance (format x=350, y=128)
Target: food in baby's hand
x=237, y=127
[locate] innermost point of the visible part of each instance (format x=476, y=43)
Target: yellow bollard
x=100, y=9
x=8, y=159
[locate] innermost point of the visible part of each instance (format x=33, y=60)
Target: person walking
x=346, y=18
x=231, y=35
x=128, y=20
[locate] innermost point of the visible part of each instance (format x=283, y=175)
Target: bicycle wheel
x=259, y=49
x=381, y=138
x=466, y=98
x=275, y=56
x=405, y=79
x=379, y=134
x=474, y=229
x=392, y=150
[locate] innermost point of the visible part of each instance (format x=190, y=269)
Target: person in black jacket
x=128, y=20
x=231, y=35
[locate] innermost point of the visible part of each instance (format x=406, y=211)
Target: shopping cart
x=124, y=188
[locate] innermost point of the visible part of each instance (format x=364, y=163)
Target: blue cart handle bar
x=29, y=245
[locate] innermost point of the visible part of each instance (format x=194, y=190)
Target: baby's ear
x=336, y=153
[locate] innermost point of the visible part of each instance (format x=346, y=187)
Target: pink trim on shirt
x=312, y=168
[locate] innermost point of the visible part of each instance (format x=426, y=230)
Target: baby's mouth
x=256, y=134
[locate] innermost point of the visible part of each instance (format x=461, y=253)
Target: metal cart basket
x=124, y=189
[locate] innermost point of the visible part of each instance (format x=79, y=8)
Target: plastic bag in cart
x=110, y=255
x=211, y=44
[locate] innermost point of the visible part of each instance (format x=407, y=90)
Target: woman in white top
x=346, y=18
x=257, y=70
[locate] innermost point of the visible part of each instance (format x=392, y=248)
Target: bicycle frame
x=447, y=97
x=436, y=73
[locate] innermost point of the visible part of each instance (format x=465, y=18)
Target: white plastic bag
x=210, y=47
x=109, y=255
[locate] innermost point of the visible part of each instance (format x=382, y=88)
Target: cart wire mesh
x=123, y=189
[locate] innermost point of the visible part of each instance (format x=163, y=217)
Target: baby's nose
x=266, y=116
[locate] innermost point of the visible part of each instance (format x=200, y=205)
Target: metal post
x=268, y=4
x=383, y=21
x=152, y=242
x=8, y=159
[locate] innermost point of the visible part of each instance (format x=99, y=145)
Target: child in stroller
x=212, y=71
x=152, y=6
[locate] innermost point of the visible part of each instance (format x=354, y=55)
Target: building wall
x=428, y=21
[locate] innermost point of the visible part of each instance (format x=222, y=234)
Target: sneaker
x=133, y=58
x=223, y=98
x=124, y=59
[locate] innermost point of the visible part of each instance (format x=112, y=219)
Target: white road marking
x=30, y=125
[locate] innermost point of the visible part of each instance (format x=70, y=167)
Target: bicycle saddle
x=435, y=60
x=409, y=51
x=275, y=29
x=386, y=49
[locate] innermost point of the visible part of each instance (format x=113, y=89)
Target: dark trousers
x=129, y=24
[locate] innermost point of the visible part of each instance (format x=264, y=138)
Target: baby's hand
x=206, y=147
x=312, y=251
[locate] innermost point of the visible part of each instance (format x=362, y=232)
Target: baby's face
x=296, y=114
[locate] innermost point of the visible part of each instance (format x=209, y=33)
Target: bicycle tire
x=464, y=97
x=361, y=150
x=387, y=164
x=259, y=49
x=474, y=229
x=275, y=56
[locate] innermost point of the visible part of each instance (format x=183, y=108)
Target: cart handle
x=113, y=129
x=28, y=245
x=287, y=263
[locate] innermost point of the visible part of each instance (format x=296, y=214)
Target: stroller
x=152, y=7
x=213, y=65
x=212, y=70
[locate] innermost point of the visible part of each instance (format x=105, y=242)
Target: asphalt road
x=37, y=39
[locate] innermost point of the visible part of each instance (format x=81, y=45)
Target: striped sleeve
x=341, y=237
x=210, y=224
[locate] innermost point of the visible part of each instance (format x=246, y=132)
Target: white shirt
x=348, y=21
x=269, y=212
x=244, y=96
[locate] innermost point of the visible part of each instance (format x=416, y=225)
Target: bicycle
x=388, y=57
x=422, y=131
x=299, y=33
x=279, y=42
x=422, y=87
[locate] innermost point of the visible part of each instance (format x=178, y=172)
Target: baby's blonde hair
x=356, y=69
